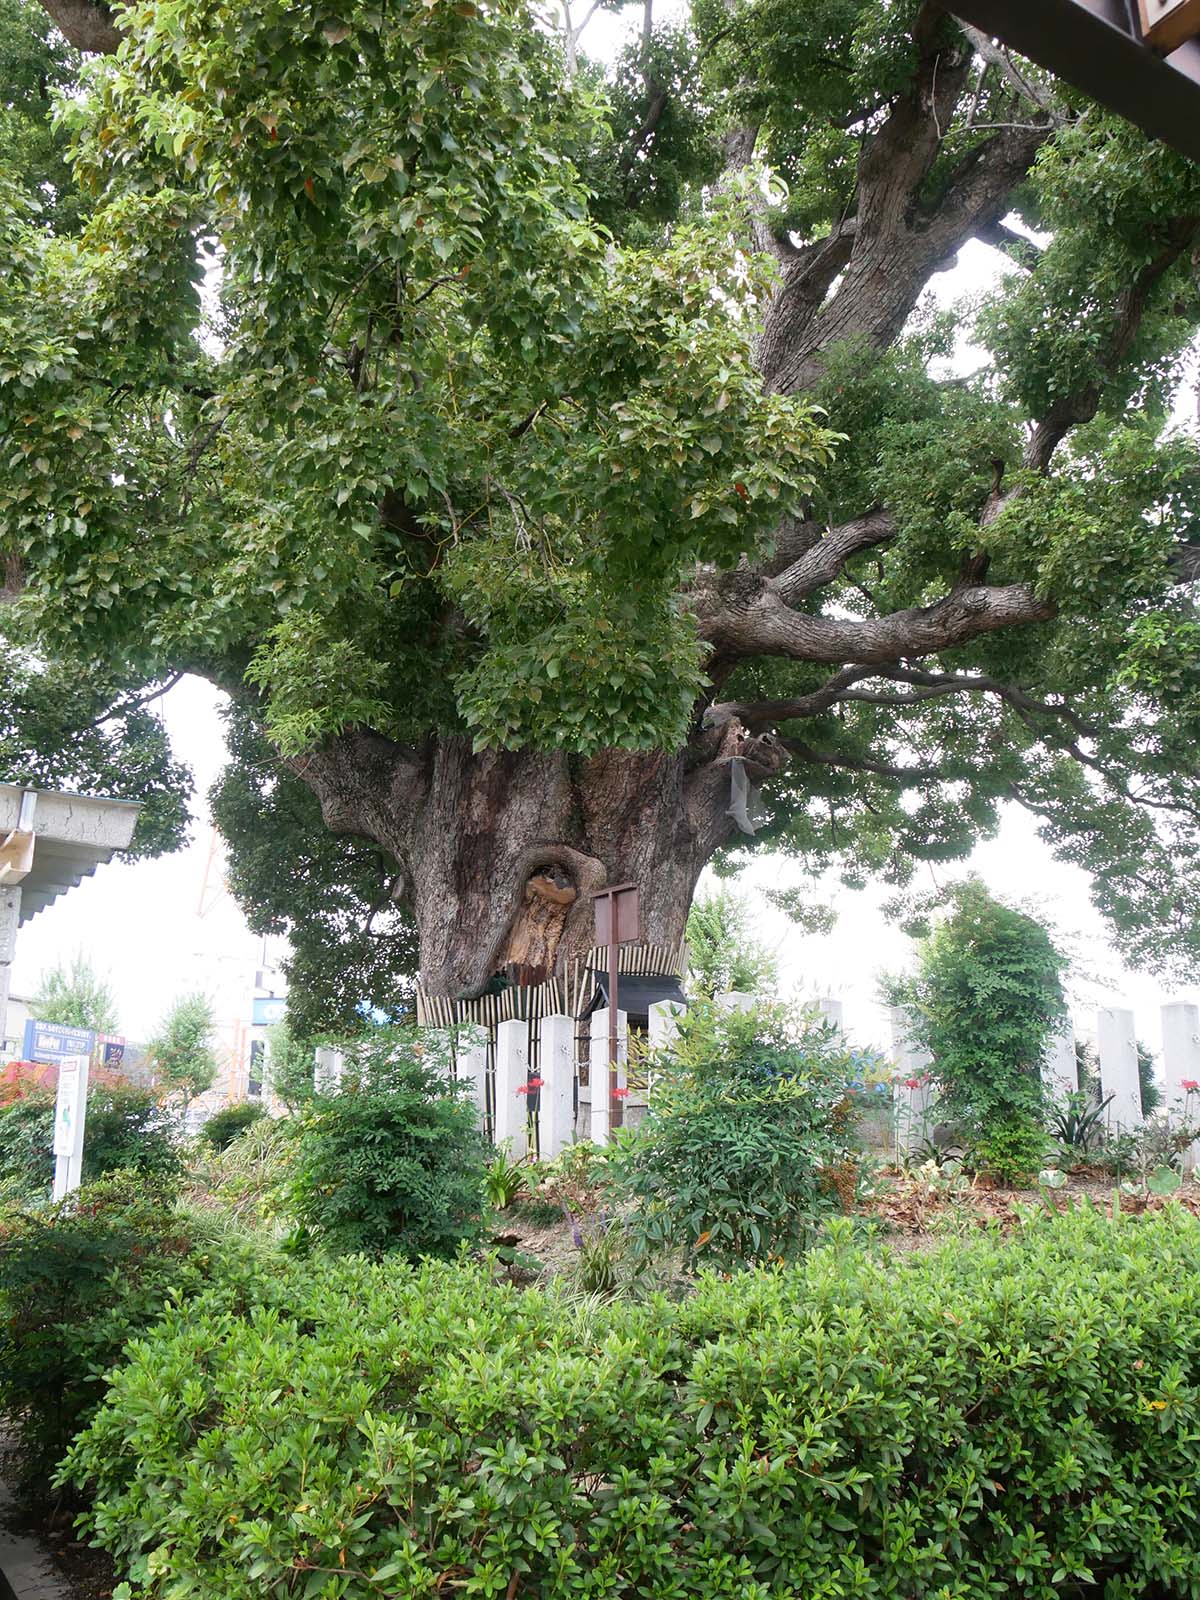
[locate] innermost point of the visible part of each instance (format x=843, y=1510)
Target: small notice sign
x=70, y=1112
x=1166, y=24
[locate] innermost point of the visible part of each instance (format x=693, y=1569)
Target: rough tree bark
x=499, y=852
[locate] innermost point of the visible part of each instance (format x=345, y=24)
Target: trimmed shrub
x=228, y=1124
x=126, y=1131
x=748, y=1139
x=394, y=1160
x=997, y=1418
x=80, y=1278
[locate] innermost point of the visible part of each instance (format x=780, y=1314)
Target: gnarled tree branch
x=87, y=24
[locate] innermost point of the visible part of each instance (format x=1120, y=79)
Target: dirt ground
x=912, y=1210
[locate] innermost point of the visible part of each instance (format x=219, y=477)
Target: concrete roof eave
x=71, y=834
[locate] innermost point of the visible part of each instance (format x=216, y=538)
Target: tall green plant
x=985, y=997
x=289, y=1066
x=393, y=1162
x=76, y=996
x=747, y=1142
x=723, y=956
x=185, y=1062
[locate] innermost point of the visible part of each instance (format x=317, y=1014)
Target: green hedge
x=994, y=1419
x=79, y=1278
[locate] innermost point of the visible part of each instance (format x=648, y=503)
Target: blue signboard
x=267, y=1010
x=53, y=1042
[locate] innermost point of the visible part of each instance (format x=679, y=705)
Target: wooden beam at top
x=1093, y=45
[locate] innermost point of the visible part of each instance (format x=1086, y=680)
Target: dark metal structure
x=1098, y=45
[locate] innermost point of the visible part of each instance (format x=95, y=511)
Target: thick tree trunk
x=500, y=852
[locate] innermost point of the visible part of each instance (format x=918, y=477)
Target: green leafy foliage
x=805, y=1431
x=182, y=1051
x=349, y=944
x=290, y=1066
x=126, y=1130
x=984, y=1001
x=393, y=1162
x=81, y=1278
x=747, y=1143
x=89, y=734
x=228, y=1124
x=469, y=415
x=723, y=956
x=75, y=996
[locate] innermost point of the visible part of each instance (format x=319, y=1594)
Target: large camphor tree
x=536, y=450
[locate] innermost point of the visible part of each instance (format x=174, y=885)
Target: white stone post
x=1116, y=1040
x=1060, y=1070
x=328, y=1066
x=70, y=1119
x=832, y=1010
x=10, y=915
x=737, y=1000
x=470, y=1067
x=1181, y=1063
x=556, y=1098
x=510, y=1123
x=664, y=1023
x=911, y=1105
x=601, y=1130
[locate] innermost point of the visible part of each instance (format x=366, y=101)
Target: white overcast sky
x=157, y=931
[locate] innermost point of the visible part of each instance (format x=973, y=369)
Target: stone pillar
x=832, y=1010
x=910, y=1105
x=511, y=1119
x=737, y=1000
x=1116, y=1040
x=664, y=1023
x=328, y=1066
x=556, y=1098
x=1060, y=1070
x=470, y=1068
x=10, y=915
x=1181, y=1063
x=598, y=1070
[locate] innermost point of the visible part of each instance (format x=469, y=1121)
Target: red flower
x=620, y=1094
x=1190, y=1084
x=914, y=1083
x=524, y=1089
x=536, y=1083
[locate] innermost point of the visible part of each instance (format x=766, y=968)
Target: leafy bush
x=394, y=1160
x=125, y=1130
x=986, y=996
x=26, y=1162
x=228, y=1124
x=747, y=1140
x=997, y=1418
x=80, y=1278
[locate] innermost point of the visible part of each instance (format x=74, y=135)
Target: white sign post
x=70, y=1114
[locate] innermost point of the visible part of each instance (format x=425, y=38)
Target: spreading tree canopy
x=535, y=449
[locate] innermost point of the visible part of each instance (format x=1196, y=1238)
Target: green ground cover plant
x=1015, y=1418
x=748, y=1140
